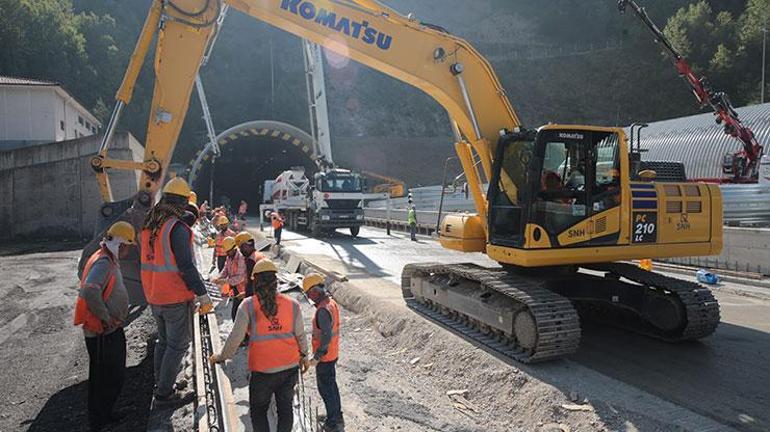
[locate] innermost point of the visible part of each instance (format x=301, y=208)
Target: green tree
x=41, y=39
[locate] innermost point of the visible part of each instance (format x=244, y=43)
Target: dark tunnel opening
x=244, y=165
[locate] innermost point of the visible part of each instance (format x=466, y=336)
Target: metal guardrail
x=744, y=205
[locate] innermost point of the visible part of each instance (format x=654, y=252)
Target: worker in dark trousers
x=411, y=218
x=172, y=286
x=277, y=222
x=326, y=343
x=277, y=347
x=102, y=308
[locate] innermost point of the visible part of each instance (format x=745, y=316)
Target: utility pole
x=764, y=60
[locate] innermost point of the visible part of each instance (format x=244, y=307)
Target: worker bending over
x=326, y=342
x=171, y=283
x=233, y=278
x=102, y=308
x=223, y=230
x=277, y=347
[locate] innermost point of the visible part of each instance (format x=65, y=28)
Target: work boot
x=177, y=397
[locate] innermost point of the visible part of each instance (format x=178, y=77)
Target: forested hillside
x=560, y=61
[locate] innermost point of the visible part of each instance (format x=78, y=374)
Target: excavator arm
x=444, y=66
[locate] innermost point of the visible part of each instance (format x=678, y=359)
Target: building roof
x=699, y=143
x=7, y=80
x=58, y=87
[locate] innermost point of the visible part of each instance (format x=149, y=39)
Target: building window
x=88, y=125
x=61, y=124
x=80, y=120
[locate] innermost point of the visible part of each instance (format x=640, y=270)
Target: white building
x=34, y=112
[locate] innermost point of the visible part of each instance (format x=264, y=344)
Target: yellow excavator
x=564, y=207
x=389, y=185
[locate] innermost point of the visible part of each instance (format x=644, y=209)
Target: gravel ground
x=44, y=355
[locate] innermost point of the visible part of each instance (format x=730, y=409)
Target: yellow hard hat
x=243, y=237
x=123, y=230
x=264, y=265
x=177, y=186
x=223, y=220
x=312, y=280
x=193, y=198
x=228, y=243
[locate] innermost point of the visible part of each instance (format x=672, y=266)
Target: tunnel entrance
x=250, y=154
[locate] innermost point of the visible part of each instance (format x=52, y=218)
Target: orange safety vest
x=334, y=345
x=272, y=343
x=220, y=251
x=83, y=315
x=161, y=280
x=277, y=222
x=227, y=290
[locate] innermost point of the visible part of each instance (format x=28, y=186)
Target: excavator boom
x=444, y=66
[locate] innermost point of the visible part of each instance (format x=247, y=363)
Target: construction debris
x=576, y=407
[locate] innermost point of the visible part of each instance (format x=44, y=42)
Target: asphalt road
x=725, y=377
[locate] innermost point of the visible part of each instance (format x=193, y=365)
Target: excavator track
x=551, y=327
x=700, y=309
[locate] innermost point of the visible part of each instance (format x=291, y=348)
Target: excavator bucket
x=133, y=211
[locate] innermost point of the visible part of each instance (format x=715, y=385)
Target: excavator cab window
x=561, y=198
x=576, y=175
x=508, y=189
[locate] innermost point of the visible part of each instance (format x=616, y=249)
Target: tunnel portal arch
x=269, y=131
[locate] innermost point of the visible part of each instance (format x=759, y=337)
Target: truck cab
x=337, y=199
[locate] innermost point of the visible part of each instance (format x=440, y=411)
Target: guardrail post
x=387, y=217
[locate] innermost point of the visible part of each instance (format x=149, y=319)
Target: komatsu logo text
x=357, y=30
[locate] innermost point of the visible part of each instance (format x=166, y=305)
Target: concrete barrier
x=745, y=250
x=49, y=191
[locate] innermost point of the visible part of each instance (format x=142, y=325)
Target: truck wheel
x=354, y=231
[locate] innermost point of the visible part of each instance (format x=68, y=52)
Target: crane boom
x=743, y=166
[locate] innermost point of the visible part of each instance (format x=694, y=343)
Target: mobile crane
x=561, y=207
x=740, y=167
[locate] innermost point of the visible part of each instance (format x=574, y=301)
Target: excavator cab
x=544, y=191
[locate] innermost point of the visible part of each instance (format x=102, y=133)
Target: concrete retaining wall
x=745, y=250
x=49, y=191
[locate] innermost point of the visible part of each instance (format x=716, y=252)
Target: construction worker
x=233, y=278
x=246, y=243
x=325, y=342
x=411, y=219
x=171, y=285
x=223, y=230
x=277, y=222
x=277, y=347
x=242, y=209
x=102, y=308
